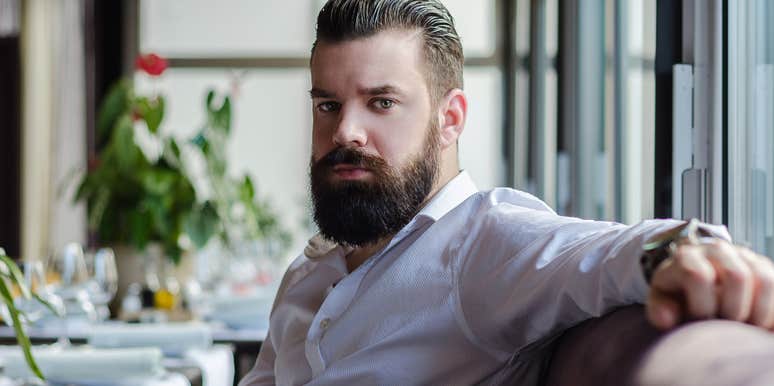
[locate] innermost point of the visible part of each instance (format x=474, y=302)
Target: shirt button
x=324, y=323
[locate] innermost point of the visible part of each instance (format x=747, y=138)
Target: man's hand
x=717, y=279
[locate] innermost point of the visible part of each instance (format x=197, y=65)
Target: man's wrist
x=660, y=248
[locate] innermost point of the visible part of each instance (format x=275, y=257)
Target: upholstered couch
x=621, y=348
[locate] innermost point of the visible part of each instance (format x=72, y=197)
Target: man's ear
x=452, y=111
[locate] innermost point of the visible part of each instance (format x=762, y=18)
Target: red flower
x=152, y=64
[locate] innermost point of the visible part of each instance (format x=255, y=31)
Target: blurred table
x=245, y=345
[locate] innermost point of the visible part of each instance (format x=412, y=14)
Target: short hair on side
x=343, y=20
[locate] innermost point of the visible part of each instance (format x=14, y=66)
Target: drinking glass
x=103, y=282
x=32, y=311
x=68, y=271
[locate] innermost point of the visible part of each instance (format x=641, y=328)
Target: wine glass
x=32, y=311
x=103, y=282
x=68, y=271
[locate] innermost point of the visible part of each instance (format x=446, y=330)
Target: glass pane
x=480, y=146
x=270, y=138
x=247, y=28
x=476, y=24
x=635, y=125
x=751, y=124
x=604, y=110
x=233, y=28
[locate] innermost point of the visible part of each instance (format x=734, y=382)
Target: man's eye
x=384, y=103
x=327, y=107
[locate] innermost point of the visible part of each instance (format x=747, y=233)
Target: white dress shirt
x=463, y=291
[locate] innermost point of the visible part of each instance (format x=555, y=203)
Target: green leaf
x=173, y=251
x=223, y=116
x=98, y=207
x=152, y=112
x=115, y=104
x=173, y=147
x=21, y=336
x=247, y=190
x=16, y=275
x=126, y=151
x=219, y=117
x=48, y=305
x=140, y=229
x=160, y=217
x=158, y=182
x=201, y=224
x=209, y=98
x=201, y=141
x=171, y=154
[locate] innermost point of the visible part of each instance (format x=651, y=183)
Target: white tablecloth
x=48, y=357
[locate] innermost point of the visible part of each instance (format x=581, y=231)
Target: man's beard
x=357, y=213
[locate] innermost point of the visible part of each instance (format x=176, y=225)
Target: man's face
x=374, y=145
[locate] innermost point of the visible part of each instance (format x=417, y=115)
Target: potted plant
x=135, y=198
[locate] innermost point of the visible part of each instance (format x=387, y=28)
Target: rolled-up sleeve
x=525, y=274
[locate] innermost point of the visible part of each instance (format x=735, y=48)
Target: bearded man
x=416, y=277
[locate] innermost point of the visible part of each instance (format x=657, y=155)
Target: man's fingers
x=689, y=273
x=735, y=280
x=762, y=313
x=662, y=310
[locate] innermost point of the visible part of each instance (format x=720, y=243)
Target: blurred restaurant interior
x=156, y=153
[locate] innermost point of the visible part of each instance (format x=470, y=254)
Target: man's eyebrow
x=319, y=93
x=380, y=90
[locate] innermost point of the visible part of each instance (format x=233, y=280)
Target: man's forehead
x=388, y=62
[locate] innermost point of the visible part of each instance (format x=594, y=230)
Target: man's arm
x=262, y=373
x=524, y=274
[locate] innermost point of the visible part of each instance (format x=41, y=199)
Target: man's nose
x=350, y=130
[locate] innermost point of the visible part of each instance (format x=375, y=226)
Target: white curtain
x=53, y=125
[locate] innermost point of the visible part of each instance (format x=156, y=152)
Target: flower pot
x=134, y=265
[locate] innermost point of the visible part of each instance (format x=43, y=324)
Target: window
x=751, y=123
x=261, y=50
x=590, y=106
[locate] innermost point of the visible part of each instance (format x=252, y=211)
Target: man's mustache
x=350, y=156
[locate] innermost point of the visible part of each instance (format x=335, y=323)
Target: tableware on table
x=103, y=280
x=70, y=279
x=174, y=339
x=32, y=311
x=85, y=365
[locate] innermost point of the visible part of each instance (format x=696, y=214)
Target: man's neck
x=360, y=254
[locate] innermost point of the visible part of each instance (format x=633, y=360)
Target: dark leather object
x=621, y=348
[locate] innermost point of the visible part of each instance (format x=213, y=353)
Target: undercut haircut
x=345, y=20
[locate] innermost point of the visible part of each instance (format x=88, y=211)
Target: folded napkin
x=85, y=365
x=172, y=338
x=245, y=312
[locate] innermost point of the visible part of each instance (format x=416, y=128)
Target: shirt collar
x=450, y=196
x=447, y=198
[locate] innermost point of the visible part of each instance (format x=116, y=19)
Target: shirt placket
x=339, y=296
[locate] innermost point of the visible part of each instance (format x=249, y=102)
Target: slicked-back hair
x=344, y=20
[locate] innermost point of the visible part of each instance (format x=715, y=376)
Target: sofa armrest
x=621, y=348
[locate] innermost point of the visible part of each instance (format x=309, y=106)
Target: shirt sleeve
x=262, y=373
x=525, y=274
